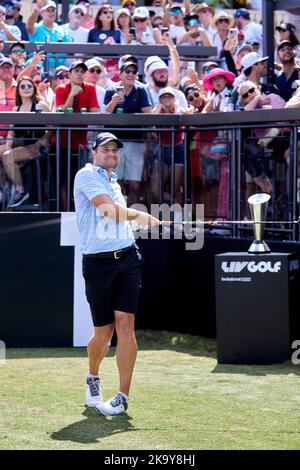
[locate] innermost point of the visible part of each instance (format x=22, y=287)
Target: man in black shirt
x=290, y=70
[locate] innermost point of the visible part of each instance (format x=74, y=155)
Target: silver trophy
x=258, y=207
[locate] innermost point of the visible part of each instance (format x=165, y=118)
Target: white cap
x=157, y=66
x=141, y=12
x=78, y=7
x=90, y=63
x=50, y=4
x=251, y=59
x=123, y=11
x=150, y=60
x=184, y=80
x=167, y=90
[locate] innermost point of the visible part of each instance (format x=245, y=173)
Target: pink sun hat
x=230, y=77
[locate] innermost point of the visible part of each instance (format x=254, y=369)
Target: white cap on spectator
x=123, y=11
x=78, y=7
x=50, y=4
x=150, y=60
x=157, y=66
x=166, y=91
x=251, y=59
x=90, y=63
x=141, y=12
x=243, y=47
x=184, y=81
x=176, y=5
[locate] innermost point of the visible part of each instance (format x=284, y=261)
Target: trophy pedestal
x=256, y=296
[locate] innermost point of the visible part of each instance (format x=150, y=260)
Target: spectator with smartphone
x=123, y=19
x=223, y=22
x=131, y=98
x=144, y=31
x=173, y=18
x=8, y=32
x=206, y=13
x=194, y=34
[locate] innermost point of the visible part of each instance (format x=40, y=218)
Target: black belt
x=112, y=254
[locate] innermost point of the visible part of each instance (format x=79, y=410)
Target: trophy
x=258, y=207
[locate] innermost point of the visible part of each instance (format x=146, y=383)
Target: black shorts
x=112, y=284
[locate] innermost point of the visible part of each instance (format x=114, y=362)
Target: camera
x=164, y=29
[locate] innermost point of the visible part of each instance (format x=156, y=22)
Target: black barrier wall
x=37, y=290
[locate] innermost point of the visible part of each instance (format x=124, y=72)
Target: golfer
x=111, y=268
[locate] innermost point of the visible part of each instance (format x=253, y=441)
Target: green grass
x=181, y=399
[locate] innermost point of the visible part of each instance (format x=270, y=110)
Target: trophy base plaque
x=256, y=301
x=259, y=246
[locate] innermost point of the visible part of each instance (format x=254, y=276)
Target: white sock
x=125, y=396
x=92, y=376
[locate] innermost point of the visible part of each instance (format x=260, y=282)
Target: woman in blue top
x=105, y=31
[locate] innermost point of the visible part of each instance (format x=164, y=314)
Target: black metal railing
x=200, y=179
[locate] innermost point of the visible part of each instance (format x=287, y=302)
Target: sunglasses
x=106, y=12
x=223, y=20
x=9, y=17
x=93, y=70
x=18, y=51
x=139, y=20
x=204, y=10
x=192, y=97
x=78, y=11
x=157, y=25
x=26, y=86
x=248, y=93
x=128, y=71
x=176, y=12
x=61, y=76
x=37, y=82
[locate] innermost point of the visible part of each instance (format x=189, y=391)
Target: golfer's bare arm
x=109, y=208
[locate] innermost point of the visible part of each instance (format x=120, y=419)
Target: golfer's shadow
x=93, y=428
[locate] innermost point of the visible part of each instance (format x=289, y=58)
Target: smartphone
x=233, y=33
x=132, y=32
x=120, y=91
x=164, y=29
x=39, y=48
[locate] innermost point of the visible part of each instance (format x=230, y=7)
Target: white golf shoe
x=115, y=406
x=93, y=396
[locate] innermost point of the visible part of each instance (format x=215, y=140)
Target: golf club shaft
x=222, y=222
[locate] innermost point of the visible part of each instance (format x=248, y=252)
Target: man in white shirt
x=73, y=29
x=158, y=71
x=173, y=18
x=8, y=32
x=92, y=76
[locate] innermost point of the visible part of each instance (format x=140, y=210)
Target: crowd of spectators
x=231, y=80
